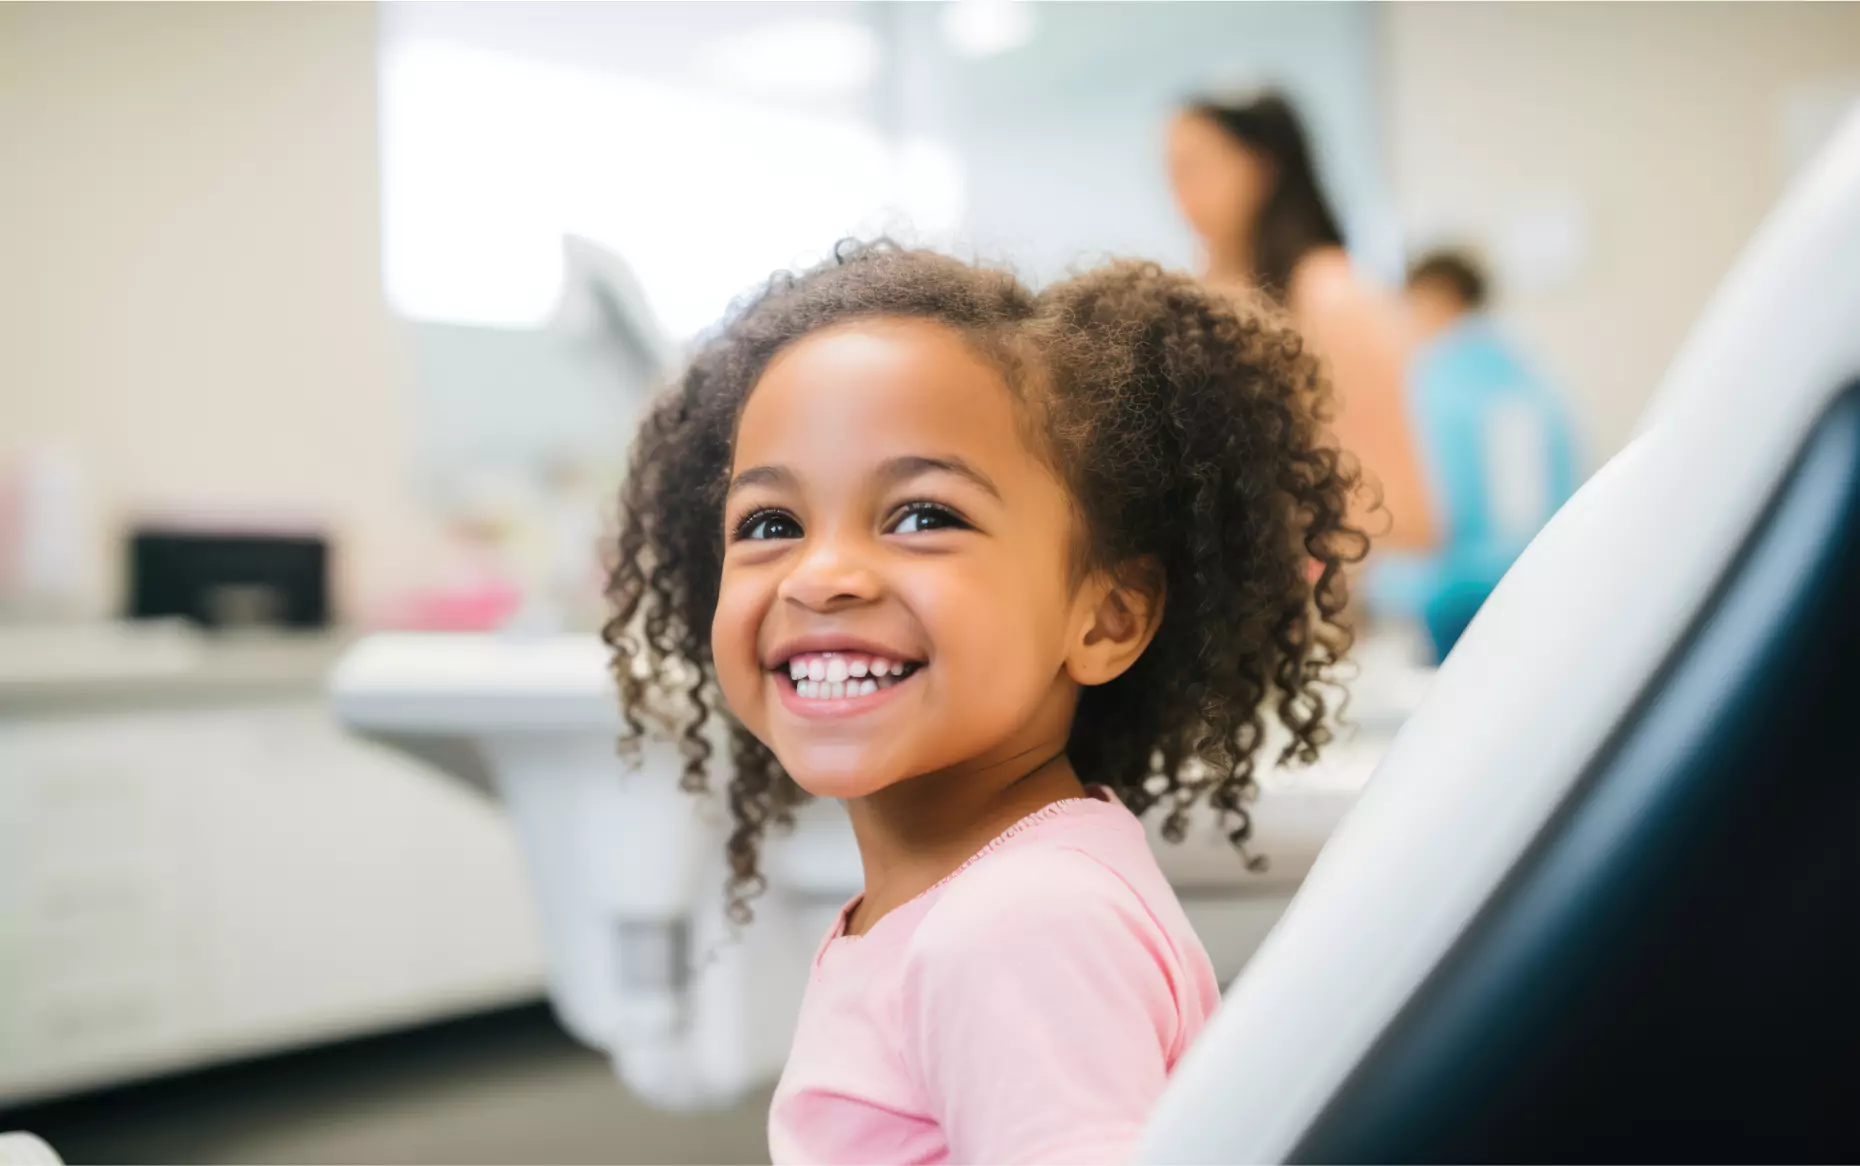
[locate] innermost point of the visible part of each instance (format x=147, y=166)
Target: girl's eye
x=919, y=517
x=768, y=524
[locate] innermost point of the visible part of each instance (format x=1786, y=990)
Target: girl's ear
x=1125, y=611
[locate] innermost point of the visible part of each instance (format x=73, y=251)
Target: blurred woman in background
x=1243, y=178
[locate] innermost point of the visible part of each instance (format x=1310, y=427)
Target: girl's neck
x=914, y=834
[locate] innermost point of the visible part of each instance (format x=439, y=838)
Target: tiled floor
x=505, y=1087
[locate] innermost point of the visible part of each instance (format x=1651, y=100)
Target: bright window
x=488, y=160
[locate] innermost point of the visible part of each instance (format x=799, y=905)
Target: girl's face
x=1220, y=185
x=895, y=597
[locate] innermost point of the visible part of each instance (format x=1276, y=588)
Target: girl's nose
x=829, y=576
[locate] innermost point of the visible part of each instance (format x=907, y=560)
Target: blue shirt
x=1499, y=456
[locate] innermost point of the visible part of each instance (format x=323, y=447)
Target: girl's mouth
x=827, y=678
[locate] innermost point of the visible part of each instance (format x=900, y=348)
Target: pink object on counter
x=479, y=609
x=1028, y=1008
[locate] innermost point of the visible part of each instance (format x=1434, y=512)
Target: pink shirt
x=1028, y=1008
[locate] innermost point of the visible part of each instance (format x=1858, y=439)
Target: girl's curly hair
x=1191, y=432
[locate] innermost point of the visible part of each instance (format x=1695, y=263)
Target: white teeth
x=832, y=677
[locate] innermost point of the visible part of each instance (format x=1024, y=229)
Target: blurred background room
x=323, y=331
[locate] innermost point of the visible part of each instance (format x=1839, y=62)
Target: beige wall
x=189, y=230
x=1662, y=123
x=190, y=239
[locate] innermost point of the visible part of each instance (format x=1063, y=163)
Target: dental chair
x=1601, y=900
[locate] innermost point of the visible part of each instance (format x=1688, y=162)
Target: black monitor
x=224, y=579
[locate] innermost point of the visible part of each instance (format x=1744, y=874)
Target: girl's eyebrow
x=902, y=469
x=893, y=471
x=775, y=476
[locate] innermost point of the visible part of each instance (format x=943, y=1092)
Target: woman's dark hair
x=1191, y=434
x=1297, y=218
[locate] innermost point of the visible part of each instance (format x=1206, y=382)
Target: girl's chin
x=839, y=785
x=842, y=777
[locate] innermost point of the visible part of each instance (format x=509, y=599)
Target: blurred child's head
x=905, y=519
x=1443, y=286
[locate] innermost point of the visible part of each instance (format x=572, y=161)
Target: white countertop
x=55, y=670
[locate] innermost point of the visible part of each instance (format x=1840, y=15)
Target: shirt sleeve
x=1040, y=1011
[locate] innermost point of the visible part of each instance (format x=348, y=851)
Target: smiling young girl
x=1001, y=571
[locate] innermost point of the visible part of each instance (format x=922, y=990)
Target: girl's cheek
x=979, y=631
x=733, y=635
